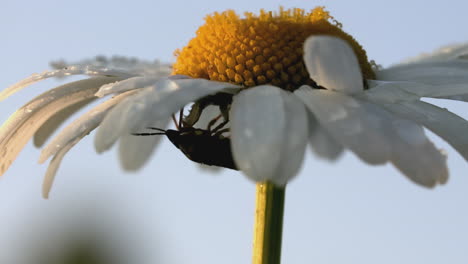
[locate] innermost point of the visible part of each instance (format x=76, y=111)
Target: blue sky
x=343, y=212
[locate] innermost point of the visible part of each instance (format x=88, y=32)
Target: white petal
x=126, y=85
x=53, y=167
x=331, y=63
x=21, y=126
x=135, y=151
x=385, y=92
x=416, y=157
x=411, y=152
x=381, y=134
x=451, y=52
x=115, y=124
x=72, y=70
x=434, y=73
x=269, y=133
x=392, y=92
x=321, y=143
x=296, y=135
x=81, y=127
x=51, y=125
x=152, y=104
x=442, y=122
x=132, y=66
x=135, y=83
x=404, y=144
x=349, y=122
x=324, y=146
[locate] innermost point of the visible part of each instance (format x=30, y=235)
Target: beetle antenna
x=160, y=132
x=158, y=129
x=148, y=134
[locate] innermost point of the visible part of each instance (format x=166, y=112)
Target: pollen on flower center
x=260, y=49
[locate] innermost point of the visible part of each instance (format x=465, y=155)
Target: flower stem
x=268, y=227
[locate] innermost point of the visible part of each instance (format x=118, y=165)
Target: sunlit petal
x=53, y=167
x=50, y=126
x=22, y=125
x=81, y=127
x=72, y=70
x=129, y=65
x=126, y=85
x=135, y=83
x=61, y=115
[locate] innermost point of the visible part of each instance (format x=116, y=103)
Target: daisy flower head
x=261, y=88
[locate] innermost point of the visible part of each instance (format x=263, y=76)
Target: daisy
x=296, y=77
x=268, y=85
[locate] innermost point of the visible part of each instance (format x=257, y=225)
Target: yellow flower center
x=260, y=49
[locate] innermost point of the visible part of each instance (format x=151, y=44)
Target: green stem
x=268, y=227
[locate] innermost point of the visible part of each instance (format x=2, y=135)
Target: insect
x=206, y=146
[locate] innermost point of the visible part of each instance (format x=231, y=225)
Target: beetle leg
x=213, y=121
x=194, y=114
x=181, y=118
x=218, y=127
x=220, y=132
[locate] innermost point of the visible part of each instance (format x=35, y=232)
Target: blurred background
x=173, y=212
